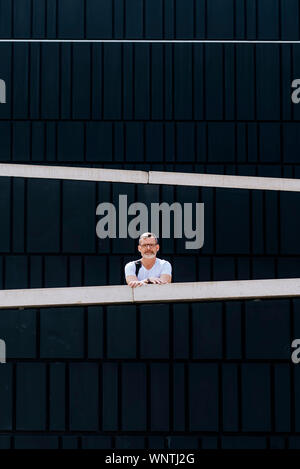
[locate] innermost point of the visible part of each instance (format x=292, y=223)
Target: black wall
x=198, y=375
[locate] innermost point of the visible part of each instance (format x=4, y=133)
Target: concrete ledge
x=73, y=296
x=175, y=292
x=73, y=173
x=206, y=291
x=220, y=180
x=151, y=177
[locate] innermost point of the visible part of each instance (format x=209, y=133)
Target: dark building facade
x=186, y=375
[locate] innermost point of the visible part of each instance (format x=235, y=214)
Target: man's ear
x=139, y=248
x=157, y=248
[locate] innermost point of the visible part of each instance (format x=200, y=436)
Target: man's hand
x=137, y=283
x=157, y=280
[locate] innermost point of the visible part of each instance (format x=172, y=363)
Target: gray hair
x=148, y=235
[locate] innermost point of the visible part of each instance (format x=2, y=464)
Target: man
x=149, y=269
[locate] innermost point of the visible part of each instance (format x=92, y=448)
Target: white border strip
x=158, y=41
x=151, y=177
x=118, y=294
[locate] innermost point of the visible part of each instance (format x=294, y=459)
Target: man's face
x=148, y=248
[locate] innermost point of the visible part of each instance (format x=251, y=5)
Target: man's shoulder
x=163, y=261
x=132, y=263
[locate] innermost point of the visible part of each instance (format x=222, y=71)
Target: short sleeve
x=130, y=269
x=166, y=268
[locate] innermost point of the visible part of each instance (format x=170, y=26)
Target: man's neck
x=148, y=263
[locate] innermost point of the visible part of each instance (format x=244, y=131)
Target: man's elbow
x=166, y=278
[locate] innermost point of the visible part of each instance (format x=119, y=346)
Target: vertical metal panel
x=154, y=325
x=134, y=397
x=18, y=218
x=5, y=18
x=229, y=222
x=183, y=77
x=289, y=224
x=43, y=216
x=181, y=338
x=157, y=82
x=31, y=396
x=70, y=141
x=214, y=81
x=153, y=15
x=154, y=142
x=6, y=397
x=282, y=397
x=203, y=381
x=184, y=25
x=36, y=272
x=38, y=22
x=268, y=19
x=99, y=22
x=245, y=81
x=141, y=80
x=134, y=15
x=261, y=344
x=95, y=332
x=99, y=141
x=50, y=81
x=18, y=330
x=160, y=412
x=230, y=397
x=121, y=344
x=207, y=330
x=77, y=236
x=233, y=330
x=84, y=396
x=256, y=406
x=268, y=91
x=21, y=141
x=21, y=81
x=66, y=96
x=110, y=388
x=70, y=20
x=22, y=10
x=112, y=102
x=271, y=223
x=223, y=268
x=179, y=397
x=5, y=136
x=96, y=80
x=220, y=19
x=34, y=82
x=81, y=79
x=61, y=333
x=55, y=271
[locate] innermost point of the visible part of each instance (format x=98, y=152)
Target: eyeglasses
x=145, y=245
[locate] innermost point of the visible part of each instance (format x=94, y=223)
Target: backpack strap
x=138, y=265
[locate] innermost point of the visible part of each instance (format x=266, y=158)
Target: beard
x=149, y=255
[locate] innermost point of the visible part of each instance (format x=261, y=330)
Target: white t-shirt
x=160, y=267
